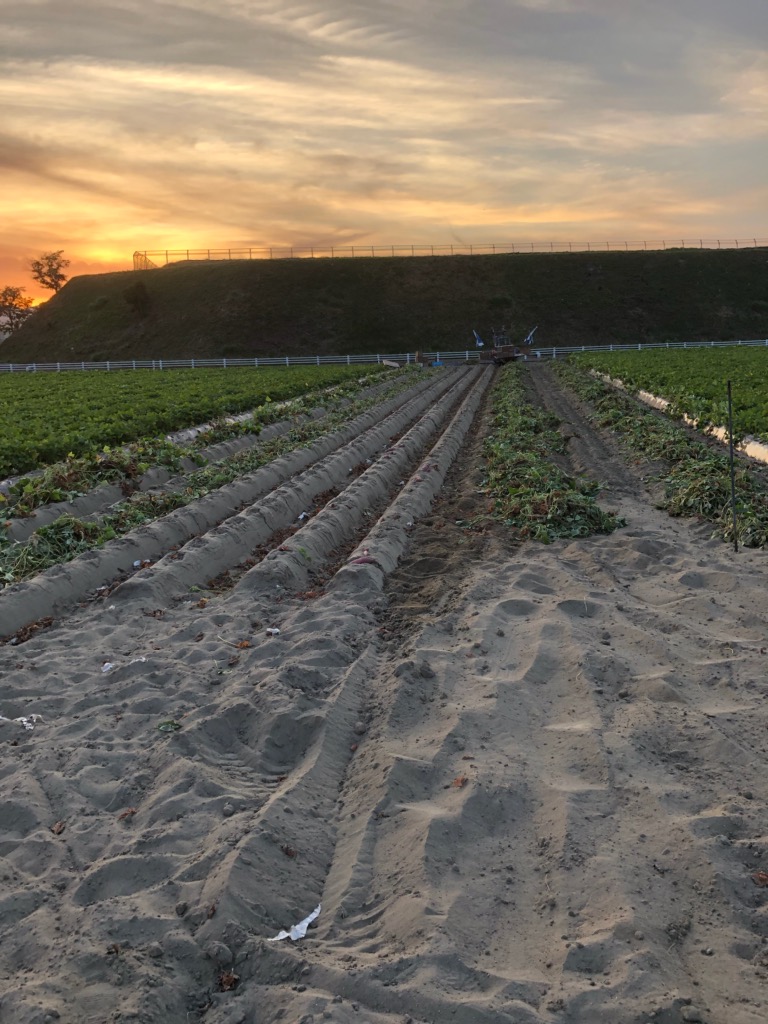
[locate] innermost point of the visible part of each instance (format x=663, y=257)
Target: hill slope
x=261, y=307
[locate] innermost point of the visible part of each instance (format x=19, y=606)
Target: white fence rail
x=464, y=356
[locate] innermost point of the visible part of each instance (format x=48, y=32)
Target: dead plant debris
x=228, y=980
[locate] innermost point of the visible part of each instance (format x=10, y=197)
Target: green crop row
x=68, y=536
x=46, y=416
x=527, y=491
x=695, y=382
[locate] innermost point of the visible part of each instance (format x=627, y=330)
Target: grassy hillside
x=260, y=307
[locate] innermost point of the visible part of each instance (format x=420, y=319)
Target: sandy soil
x=524, y=784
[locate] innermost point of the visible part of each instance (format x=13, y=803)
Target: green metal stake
x=733, y=468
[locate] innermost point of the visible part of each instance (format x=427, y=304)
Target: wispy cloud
x=178, y=123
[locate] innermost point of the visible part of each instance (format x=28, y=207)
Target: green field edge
x=696, y=479
x=67, y=537
x=695, y=383
x=74, y=476
x=82, y=413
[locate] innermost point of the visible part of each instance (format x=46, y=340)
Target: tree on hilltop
x=48, y=269
x=15, y=307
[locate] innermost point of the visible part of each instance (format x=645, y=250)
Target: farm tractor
x=504, y=349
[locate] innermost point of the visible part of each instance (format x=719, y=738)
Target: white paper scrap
x=28, y=721
x=299, y=930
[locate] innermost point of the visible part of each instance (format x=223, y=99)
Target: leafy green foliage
x=530, y=493
x=48, y=270
x=697, y=478
x=695, y=382
x=15, y=307
x=58, y=542
x=45, y=416
x=68, y=537
x=67, y=480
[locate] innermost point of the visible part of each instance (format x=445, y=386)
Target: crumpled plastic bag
x=298, y=931
x=28, y=721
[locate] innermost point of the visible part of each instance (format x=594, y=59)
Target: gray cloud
x=151, y=32
x=270, y=121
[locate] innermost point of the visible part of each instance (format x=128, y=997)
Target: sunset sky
x=154, y=124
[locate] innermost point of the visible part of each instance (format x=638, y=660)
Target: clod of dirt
x=219, y=953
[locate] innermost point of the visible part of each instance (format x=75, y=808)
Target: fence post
x=287, y=361
x=58, y=367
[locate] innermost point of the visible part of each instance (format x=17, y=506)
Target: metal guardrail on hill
x=149, y=259
x=465, y=356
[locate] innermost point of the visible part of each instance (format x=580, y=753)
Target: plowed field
x=524, y=783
